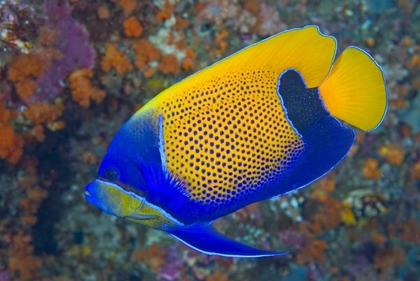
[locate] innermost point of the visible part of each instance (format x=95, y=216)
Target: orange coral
x=25, y=88
x=145, y=52
x=103, y=12
x=221, y=36
x=378, y=238
x=24, y=66
x=81, y=88
x=181, y=44
x=171, y=38
x=11, y=144
x=325, y=185
x=6, y=114
x=41, y=113
x=132, y=27
x=30, y=205
x=329, y=215
x=188, y=61
x=38, y=132
x=44, y=114
x=252, y=6
x=127, y=5
x=166, y=13
x=199, y=7
x=180, y=23
x=217, y=275
x=370, y=169
x=388, y=258
x=153, y=256
x=114, y=58
x=414, y=62
x=221, y=44
x=22, y=262
x=312, y=251
x=168, y=64
x=329, y=211
x=149, y=72
x=21, y=259
x=35, y=193
x=415, y=171
x=392, y=153
x=22, y=71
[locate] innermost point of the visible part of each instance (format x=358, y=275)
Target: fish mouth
x=88, y=195
x=140, y=217
x=117, y=201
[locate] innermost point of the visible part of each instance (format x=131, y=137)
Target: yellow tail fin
x=355, y=90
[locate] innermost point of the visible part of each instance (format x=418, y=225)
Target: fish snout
x=106, y=196
x=89, y=192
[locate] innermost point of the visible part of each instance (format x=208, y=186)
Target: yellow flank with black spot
x=225, y=130
x=228, y=135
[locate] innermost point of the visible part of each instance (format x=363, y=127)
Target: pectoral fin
x=204, y=238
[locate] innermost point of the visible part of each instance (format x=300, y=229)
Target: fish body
x=259, y=124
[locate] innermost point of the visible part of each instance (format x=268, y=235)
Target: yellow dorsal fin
x=355, y=90
x=306, y=50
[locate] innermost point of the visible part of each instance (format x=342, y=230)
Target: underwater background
x=72, y=72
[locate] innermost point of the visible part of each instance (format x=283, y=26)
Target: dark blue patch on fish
x=303, y=106
x=326, y=140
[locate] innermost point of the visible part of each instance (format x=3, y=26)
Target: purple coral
x=291, y=237
x=73, y=45
x=171, y=270
x=4, y=275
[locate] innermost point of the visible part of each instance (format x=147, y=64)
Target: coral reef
x=74, y=71
x=81, y=87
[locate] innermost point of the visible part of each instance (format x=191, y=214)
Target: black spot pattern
x=227, y=136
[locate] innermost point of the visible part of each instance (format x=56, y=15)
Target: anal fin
x=204, y=238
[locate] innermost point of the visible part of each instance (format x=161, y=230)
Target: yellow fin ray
x=305, y=49
x=355, y=90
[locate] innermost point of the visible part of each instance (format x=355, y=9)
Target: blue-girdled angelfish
x=258, y=124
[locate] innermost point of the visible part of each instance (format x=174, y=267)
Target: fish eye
x=111, y=174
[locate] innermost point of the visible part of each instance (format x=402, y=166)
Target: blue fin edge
x=206, y=239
